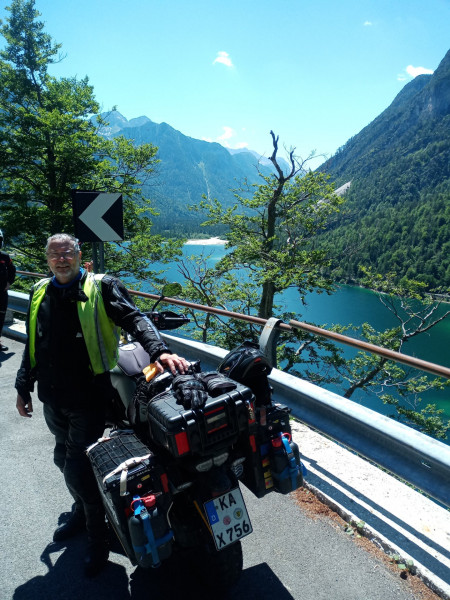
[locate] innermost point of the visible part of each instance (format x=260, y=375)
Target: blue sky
x=316, y=72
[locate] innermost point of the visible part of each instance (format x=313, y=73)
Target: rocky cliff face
x=434, y=100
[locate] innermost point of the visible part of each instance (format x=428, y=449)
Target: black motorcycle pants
x=3, y=308
x=75, y=429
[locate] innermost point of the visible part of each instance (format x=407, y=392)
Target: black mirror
x=169, y=291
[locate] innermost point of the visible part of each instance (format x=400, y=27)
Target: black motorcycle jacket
x=62, y=368
x=7, y=271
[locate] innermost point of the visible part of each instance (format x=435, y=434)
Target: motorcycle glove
x=189, y=392
x=216, y=383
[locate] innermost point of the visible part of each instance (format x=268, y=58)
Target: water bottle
x=150, y=534
x=285, y=464
x=298, y=462
x=139, y=538
x=279, y=465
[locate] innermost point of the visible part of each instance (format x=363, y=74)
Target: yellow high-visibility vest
x=100, y=333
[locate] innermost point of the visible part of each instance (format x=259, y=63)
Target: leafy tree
x=319, y=361
x=49, y=146
x=47, y=142
x=271, y=234
x=271, y=247
x=219, y=289
x=415, y=314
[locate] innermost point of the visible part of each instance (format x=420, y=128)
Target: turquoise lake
x=351, y=305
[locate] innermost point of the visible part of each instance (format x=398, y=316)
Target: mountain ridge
x=117, y=122
x=188, y=170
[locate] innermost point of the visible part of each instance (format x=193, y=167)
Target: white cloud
x=411, y=71
x=228, y=132
x=414, y=71
x=225, y=139
x=367, y=23
x=224, y=59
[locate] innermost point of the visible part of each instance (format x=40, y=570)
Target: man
x=7, y=276
x=73, y=326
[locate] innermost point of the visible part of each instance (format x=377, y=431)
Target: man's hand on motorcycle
x=176, y=364
x=25, y=408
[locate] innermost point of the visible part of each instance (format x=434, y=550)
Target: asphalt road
x=288, y=556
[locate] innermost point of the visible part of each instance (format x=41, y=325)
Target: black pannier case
x=125, y=468
x=259, y=471
x=184, y=432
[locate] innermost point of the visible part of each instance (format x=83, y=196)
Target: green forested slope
x=397, y=213
x=188, y=169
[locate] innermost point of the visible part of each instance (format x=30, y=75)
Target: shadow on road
x=65, y=580
x=5, y=355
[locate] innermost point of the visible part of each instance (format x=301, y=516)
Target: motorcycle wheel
x=218, y=570
x=222, y=569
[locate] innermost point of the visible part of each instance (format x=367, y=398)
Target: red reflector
x=216, y=429
x=252, y=443
x=149, y=501
x=182, y=442
x=214, y=410
x=164, y=482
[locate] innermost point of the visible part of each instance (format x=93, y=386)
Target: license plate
x=228, y=518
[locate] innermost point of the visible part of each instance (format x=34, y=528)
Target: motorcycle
x=170, y=469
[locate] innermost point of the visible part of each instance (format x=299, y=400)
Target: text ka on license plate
x=228, y=518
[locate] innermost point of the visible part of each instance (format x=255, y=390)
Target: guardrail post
x=268, y=340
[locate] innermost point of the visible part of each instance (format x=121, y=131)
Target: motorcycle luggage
x=267, y=467
x=285, y=464
x=146, y=391
x=249, y=365
x=143, y=396
x=126, y=470
x=184, y=432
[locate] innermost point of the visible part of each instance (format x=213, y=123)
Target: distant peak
x=114, y=115
x=138, y=121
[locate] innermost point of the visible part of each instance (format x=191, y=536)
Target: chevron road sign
x=98, y=216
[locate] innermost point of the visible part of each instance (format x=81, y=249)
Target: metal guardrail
x=410, y=361
x=409, y=454
x=18, y=302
